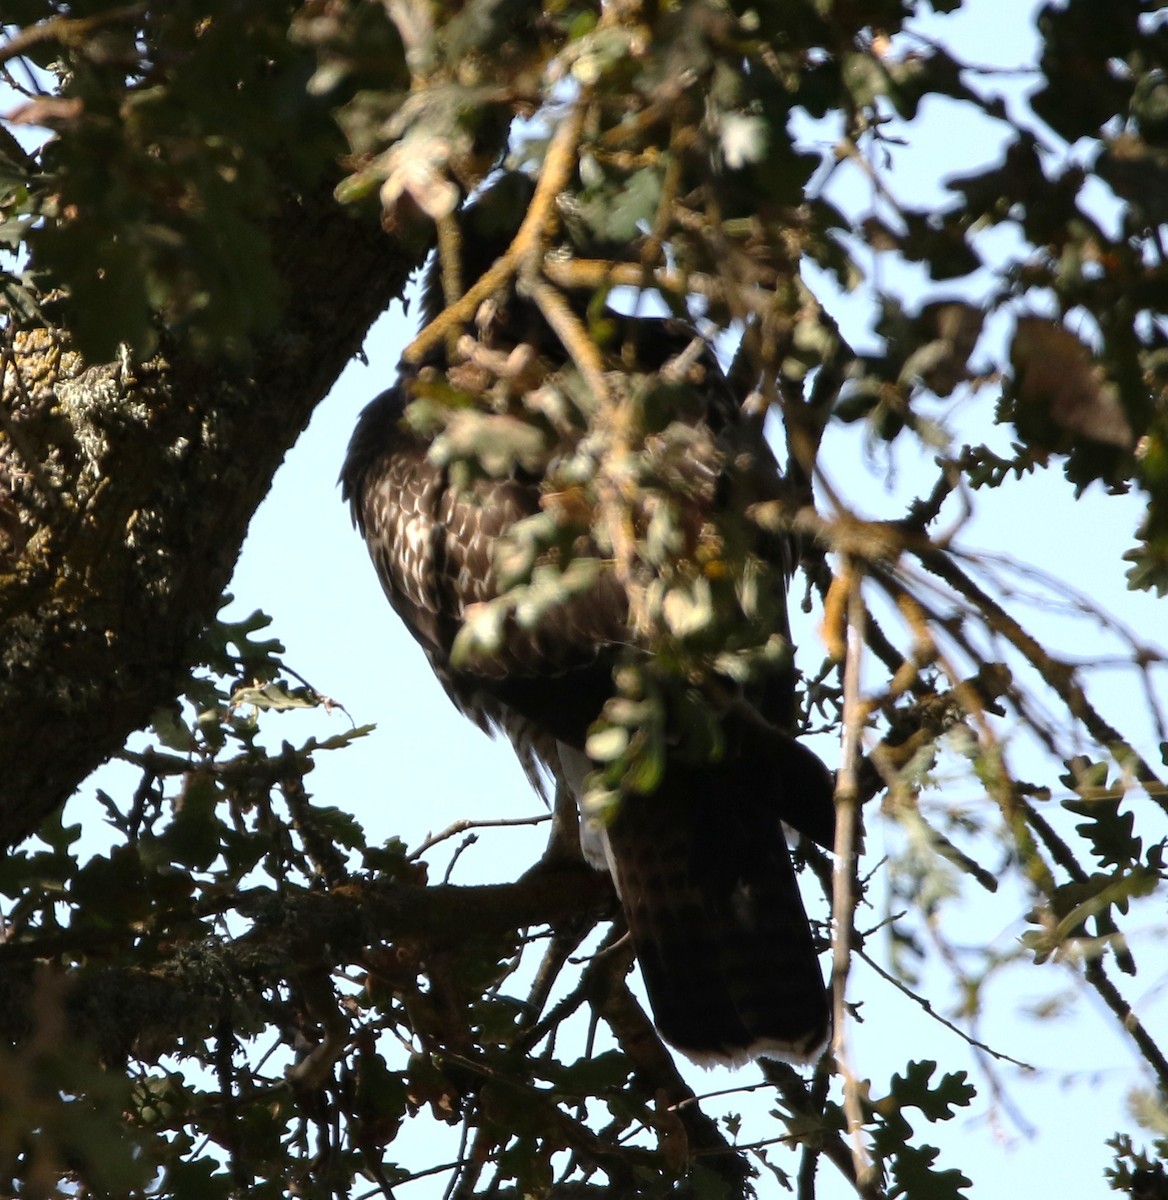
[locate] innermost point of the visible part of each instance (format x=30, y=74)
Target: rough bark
x=125, y=493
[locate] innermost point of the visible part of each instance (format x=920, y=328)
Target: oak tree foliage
x=203, y=206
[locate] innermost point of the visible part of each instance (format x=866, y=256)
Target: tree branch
x=145, y=1012
x=164, y=464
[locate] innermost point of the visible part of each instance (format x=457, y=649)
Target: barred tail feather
x=716, y=918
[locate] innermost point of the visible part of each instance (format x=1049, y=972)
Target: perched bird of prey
x=698, y=856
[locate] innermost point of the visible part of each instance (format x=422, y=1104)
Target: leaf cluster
x=172, y=131
x=910, y=1163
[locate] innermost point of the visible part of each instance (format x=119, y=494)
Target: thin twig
x=528, y=242
x=1056, y=674
x=808, y=1103
x=844, y=884
x=462, y=826
x=65, y=31
x=1097, y=977
x=928, y=1008
x=573, y=336
x=459, y=851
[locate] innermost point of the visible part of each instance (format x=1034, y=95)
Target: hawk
x=700, y=861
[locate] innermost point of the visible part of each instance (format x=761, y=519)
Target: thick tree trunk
x=125, y=493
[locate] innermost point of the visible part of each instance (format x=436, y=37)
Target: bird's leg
x=564, y=843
